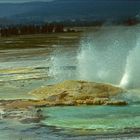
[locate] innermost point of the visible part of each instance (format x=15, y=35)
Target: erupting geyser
x=111, y=55
x=131, y=77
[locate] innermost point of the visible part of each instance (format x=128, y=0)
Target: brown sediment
x=79, y=92
x=70, y=93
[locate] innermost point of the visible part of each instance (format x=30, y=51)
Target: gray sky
x=20, y=1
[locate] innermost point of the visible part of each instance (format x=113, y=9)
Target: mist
x=111, y=55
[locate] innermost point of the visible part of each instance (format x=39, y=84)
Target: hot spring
x=107, y=55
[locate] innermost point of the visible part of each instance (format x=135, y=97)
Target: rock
x=22, y=104
x=34, y=118
x=69, y=93
x=78, y=92
x=77, y=89
x=30, y=115
x=30, y=120
x=116, y=103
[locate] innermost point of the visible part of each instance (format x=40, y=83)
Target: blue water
x=100, y=119
x=78, y=123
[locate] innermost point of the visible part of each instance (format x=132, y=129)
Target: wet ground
x=26, y=62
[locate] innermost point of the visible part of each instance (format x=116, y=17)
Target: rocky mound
x=79, y=92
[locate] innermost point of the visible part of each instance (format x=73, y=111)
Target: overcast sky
x=20, y=1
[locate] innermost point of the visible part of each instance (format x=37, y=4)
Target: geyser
x=131, y=77
x=111, y=55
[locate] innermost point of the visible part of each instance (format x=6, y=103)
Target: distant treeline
x=58, y=27
x=91, y=23
x=30, y=29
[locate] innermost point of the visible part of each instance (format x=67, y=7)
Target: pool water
x=99, y=119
